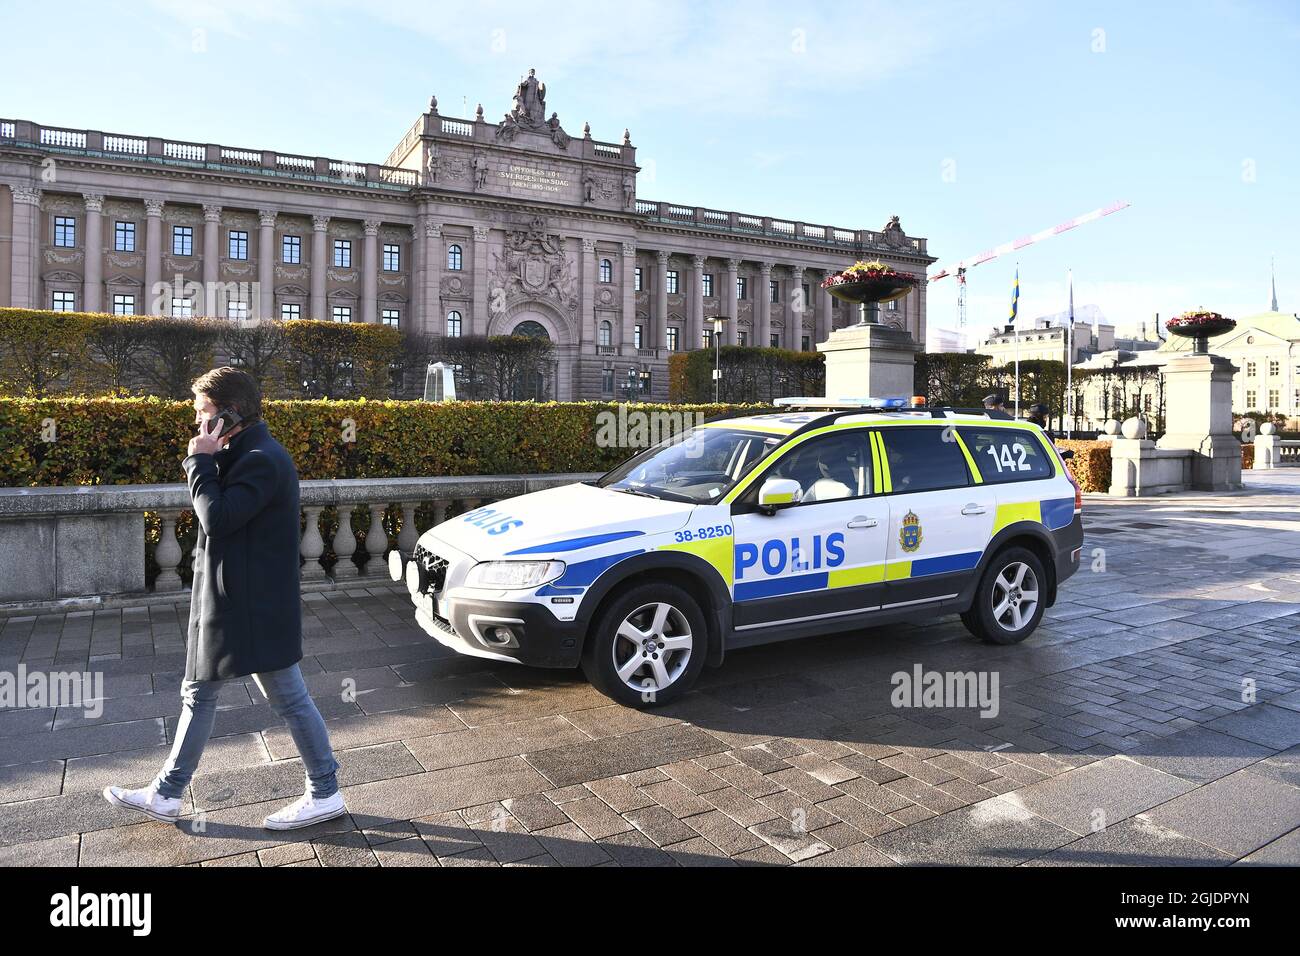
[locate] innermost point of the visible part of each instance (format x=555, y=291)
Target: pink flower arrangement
x=869, y=272
x=1197, y=317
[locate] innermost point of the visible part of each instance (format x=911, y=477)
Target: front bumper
x=503, y=631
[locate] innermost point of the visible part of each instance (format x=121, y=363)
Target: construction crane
x=959, y=269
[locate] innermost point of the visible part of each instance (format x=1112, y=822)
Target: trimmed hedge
x=1091, y=463
x=90, y=441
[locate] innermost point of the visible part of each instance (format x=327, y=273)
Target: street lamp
x=633, y=382
x=719, y=323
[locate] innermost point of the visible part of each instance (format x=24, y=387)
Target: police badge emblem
x=909, y=535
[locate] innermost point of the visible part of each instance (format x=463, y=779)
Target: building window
x=807, y=295
x=708, y=285
x=742, y=288
x=65, y=231
x=391, y=317
x=454, y=257
x=606, y=334
x=343, y=253
x=1146, y=403
x=674, y=336
x=1250, y=399
x=636, y=285
x=341, y=313
x=290, y=311
x=804, y=344
x=774, y=289
x=182, y=240
x=237, y=310
x=607, y=381
x=392, y=258
x=636, y=336
x=606, y=271
x=742, y=337
x=453, y=325
x=182, y=308
x=775, y=340
x=1274, y=399
x=672, y=282
x=1250, y=369
x=1274, y=367
x=645, y=381
x=65, y=302
x=891, y=306
x=123, y=304
x=708, y=338
x=124, y=237
x=238, y=244
x=291, y=250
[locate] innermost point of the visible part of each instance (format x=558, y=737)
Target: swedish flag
x=1015, y=297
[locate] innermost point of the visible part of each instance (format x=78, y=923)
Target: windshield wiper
x=637, y=491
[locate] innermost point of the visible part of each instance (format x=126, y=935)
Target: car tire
x=1010, y=599
x=654, y=624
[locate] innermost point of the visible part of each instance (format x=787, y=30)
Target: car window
x=1006, y=454
x=700, y=465
x=923, y=459
x=827, y=468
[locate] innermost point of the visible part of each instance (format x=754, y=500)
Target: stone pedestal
x=1198, y=418
x=869, y=360
x=1268, y=448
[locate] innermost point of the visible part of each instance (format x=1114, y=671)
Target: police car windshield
x=699, y=466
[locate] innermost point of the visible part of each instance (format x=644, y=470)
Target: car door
x=940, y=513
x=823, y=557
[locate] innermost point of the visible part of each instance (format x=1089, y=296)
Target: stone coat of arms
x=532, y=265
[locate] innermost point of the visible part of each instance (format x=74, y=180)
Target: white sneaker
x=147, y=800
x=305, y=811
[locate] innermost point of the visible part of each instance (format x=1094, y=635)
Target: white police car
x=827, y=517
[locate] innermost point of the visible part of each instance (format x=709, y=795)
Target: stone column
x=794, y=315
x=629, y=297
x=370, y=272
x=731, y=332
x=25, y=252
x=92, y=299
x=695, y=332
x=319, y=264
x=590, y=270
x=431, y=277
x=153, y=240
x=481, y=302
x=1198, y=399
x=763, y=327
x=869, y=360
x=265, y=304
x=824, y=320
x=414, y=319
x=211, y=259
x=661, y=301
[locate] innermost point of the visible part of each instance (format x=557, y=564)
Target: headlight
x=509, y=575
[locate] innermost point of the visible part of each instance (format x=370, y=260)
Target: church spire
x=1272, y=273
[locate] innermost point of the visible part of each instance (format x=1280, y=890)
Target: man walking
x=245, y=605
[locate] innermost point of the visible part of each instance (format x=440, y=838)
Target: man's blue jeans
x=287, y=694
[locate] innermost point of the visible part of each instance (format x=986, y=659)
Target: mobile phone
x=228, y=416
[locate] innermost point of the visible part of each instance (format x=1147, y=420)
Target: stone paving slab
x=1154, y=719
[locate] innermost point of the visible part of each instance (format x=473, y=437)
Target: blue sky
x=975, y=122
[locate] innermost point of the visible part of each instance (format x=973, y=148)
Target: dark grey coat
x=245, y=609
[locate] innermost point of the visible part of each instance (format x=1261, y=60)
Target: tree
x=38, y=349
x=116, y=348
x=258, y=347
x=179, y=351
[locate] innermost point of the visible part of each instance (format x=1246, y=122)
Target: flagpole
x=1015, y=314
x=1069, y=363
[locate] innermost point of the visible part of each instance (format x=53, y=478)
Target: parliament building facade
x=468, y=228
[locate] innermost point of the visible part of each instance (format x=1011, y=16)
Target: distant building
x=1050, y=340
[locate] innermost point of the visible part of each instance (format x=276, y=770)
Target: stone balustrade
x=86, y=545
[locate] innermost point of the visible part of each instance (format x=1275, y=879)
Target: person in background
x=993, y=403
x=246, y=606
x=1038, y=415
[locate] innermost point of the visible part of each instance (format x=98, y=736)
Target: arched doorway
x=530, y=378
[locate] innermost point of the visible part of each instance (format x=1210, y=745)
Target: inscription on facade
x=533, y=179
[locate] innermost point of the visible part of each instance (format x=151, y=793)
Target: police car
x=821, y=517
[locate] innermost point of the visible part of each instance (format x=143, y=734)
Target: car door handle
x=862, y=521
x=973, y=510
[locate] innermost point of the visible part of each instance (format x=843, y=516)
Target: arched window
x=606, y=271
x=453, y=325
x=531, y=329
x=606, y=333
x=454, y=257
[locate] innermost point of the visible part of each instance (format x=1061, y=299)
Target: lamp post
x=633, y=383
x=719, y=323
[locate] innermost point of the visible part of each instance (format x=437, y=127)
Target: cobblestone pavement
x=1122, y=735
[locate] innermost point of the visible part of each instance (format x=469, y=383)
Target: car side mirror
x=778, y=493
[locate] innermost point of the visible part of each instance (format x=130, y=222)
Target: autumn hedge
x=142, y=440
x=1091, y=463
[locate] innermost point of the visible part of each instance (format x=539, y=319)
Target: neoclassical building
x=468, y=227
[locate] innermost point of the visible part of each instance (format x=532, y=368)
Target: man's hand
x=205, y=442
